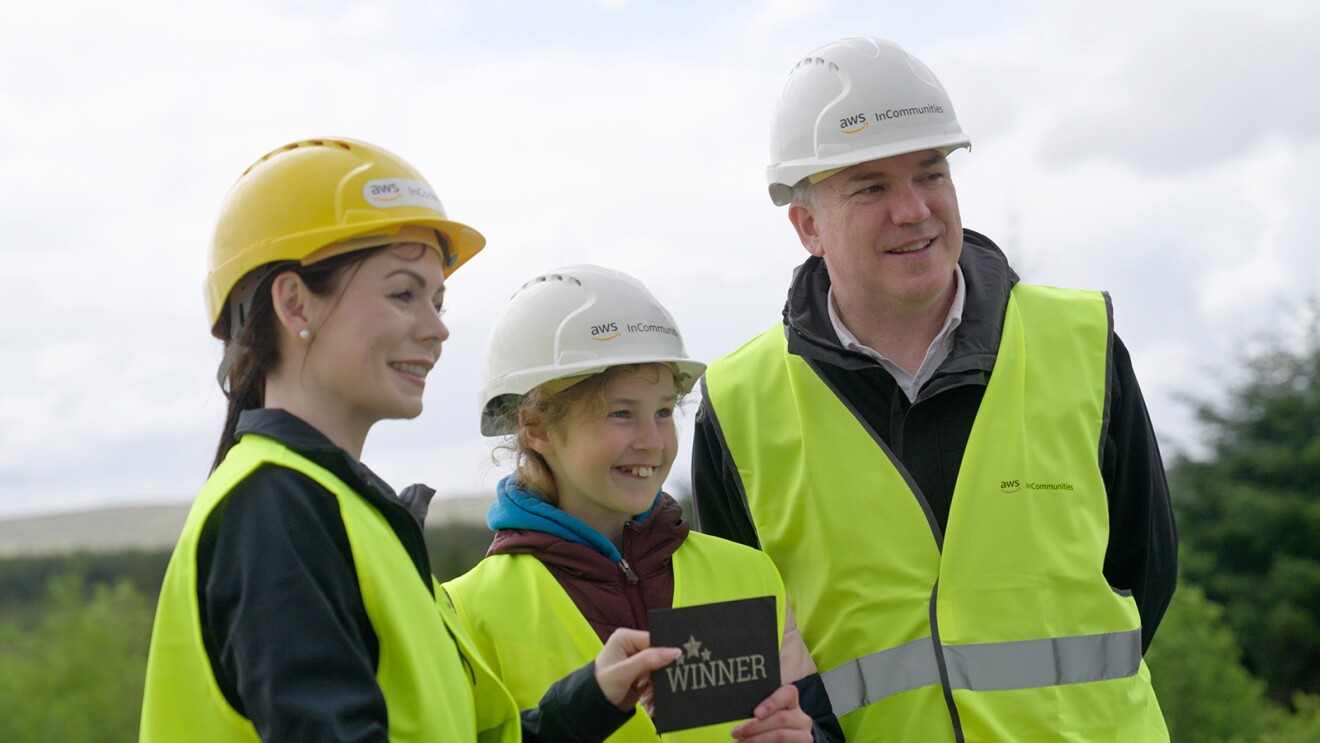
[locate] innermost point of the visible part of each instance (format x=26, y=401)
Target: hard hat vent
x=549, y=277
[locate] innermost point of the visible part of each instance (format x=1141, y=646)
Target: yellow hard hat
x=313, y=199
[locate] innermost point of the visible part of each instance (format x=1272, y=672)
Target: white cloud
x=1171, y=163
x=777, y=14
x=1181, y=95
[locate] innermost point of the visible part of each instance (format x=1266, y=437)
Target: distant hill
x=156, y=527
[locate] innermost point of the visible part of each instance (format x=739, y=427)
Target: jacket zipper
x=633, y=588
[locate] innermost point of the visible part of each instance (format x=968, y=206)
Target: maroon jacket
x=606, y=595
x=612, y=595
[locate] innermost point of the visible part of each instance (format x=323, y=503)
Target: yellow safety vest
x=434, y=683
x=532, y=633
x=1007, y=631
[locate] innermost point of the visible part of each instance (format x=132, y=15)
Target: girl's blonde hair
x=554, y=405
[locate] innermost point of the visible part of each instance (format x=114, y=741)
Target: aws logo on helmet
x=858, y=122
x=853, y=124
x=610, y=330
x=606, y=332
x=384, y=193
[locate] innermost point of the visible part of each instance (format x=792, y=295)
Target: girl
x=585, y=368
x=299, y=603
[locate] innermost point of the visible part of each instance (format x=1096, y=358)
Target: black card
x=730, y=662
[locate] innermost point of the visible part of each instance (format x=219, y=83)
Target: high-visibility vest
x=532, y=633
x=1005, y=631
x=431, y=675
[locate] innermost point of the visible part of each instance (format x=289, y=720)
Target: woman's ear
x=292, y=302
x=536, y=434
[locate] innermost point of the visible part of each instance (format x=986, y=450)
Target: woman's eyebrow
x=416, y=277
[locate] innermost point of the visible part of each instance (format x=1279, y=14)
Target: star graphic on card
x=692, y=645
x=705, y=655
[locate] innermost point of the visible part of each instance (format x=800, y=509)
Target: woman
x=299, y=603
x=584, y=368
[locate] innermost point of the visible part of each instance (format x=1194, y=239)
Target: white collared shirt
x=935, y=354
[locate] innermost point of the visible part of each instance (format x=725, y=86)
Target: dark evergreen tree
x=1249, y=509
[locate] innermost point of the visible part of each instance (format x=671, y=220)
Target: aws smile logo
x=1010, y=486
x=853, y=124
x=386, y=191
x=607, y=332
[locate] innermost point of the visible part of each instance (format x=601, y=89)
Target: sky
x=1168, y=153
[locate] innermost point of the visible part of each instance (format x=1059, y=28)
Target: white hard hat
x=853, y=101
x=572, y=322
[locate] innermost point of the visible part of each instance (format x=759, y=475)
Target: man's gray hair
x=804, y=192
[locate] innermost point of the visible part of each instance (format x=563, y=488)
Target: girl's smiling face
x=609, y=459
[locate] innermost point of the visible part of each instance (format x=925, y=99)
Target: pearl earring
x=304, y=335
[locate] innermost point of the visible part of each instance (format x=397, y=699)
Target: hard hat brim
x=783, y=176
x=502, y=397
x=464, y=242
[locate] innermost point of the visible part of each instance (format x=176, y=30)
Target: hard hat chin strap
x=241, y=298
x=232, y=349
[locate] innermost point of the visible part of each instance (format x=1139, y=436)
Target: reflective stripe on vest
x=992, y=666
x=1022, y=609
x=532, y=633
x=433, y=688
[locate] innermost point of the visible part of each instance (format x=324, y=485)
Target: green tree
x=1207, y=696
x=77, y=675
x=25, y=580
x=1249, y=510
x=1301, y=726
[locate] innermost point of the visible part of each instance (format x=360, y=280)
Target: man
x=955, y=472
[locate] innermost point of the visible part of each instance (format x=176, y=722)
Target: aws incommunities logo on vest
x=1016, y=486
x=696, y=669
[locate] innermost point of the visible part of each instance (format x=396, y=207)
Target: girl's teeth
x=642, y=471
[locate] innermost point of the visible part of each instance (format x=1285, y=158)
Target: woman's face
x=376, y=338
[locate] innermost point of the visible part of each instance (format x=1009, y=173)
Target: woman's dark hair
x=258, y=339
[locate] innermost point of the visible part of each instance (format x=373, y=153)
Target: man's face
x=889, y=231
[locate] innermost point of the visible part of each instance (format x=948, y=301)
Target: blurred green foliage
x=74, y=632
x=1249, y=510
x=1196, y=669
x=77, y=673
x=1205, y=692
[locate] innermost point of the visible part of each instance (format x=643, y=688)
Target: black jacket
x=282, y=614
x=928, y=436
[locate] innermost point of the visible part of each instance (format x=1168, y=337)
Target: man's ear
x=804, y=221
x=537, y=433
x=292, y=302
